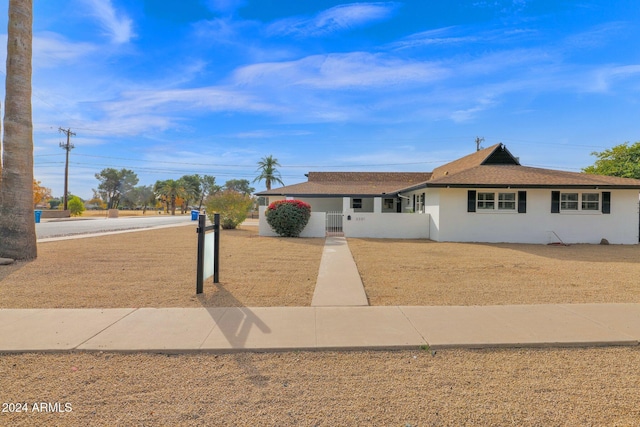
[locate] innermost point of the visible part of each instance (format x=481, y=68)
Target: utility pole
x=68, y=147
x=478, y=142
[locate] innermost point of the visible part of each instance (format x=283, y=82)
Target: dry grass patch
x=157, y=268
x=421, y=272
x=526, y=387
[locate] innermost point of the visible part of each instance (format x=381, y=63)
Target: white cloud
x=338, y=71
x=439, y=36
x=51, y=50
x=605, y=77
x=116, y=25
x=595, y=37
x=336, y=19
x=206, y=98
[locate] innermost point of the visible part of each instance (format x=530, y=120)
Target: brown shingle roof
x=350, y=184
x=492, y=167
x=523, y=176
x=368, y=177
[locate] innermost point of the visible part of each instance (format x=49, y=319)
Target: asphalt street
x=70, y=227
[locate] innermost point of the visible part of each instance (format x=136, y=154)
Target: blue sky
x=168, y=88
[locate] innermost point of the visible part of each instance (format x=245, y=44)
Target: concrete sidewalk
x=288, y=328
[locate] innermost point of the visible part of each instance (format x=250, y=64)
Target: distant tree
x=139, y=197
x=192, y=190
x=207, y=187
x=622, y=160
x=242, y=186
x=232, y=206
x=54, y=203
x=268, y=172
x=40, y=193
x=146, y=197
x=76, y=206
x=114, y=184
x=98, y=202
x=169, y=191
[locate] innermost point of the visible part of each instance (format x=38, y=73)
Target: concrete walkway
x=339, y=318
x=338, y=283
x=287, y=328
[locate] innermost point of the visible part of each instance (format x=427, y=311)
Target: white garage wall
x=535, y=226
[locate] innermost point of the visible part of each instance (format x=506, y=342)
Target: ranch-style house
x=487, y=196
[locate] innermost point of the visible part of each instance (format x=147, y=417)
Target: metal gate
x=334, y=224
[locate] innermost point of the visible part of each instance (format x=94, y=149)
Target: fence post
x=216, y=247
x=200, y=269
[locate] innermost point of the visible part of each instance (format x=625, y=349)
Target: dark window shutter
x=522, y=202
x=606, y=202
x=555, y=202
x=471, y=201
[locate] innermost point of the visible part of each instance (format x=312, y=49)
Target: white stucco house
x=487, y=196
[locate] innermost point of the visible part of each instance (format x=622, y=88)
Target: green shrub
x=75, y=205
x=288, y=217
x=232, y=206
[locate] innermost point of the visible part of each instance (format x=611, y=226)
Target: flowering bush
x=288, y=217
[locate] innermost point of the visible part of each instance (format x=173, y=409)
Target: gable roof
x=495, y=155
x=337, y=184
x=492, y=167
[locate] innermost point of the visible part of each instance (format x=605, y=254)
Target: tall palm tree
x=268, y=172
x=17, y=226
x=170, y=190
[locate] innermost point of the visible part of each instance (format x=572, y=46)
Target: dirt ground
x=157, y=268
x=524, y=387
x=533, y=387
x=421, y=272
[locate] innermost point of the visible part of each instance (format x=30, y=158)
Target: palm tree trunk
x=17, y=225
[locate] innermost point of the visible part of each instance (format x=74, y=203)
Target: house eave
x=325, y=195
x=538, y=186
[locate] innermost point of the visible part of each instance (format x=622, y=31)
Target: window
x=388, y=203
x=507, y=201
x=486, y=200
x=590, y=201
x=356, y=203
x=568, y=201
x=503, y=202
x=580, y=202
